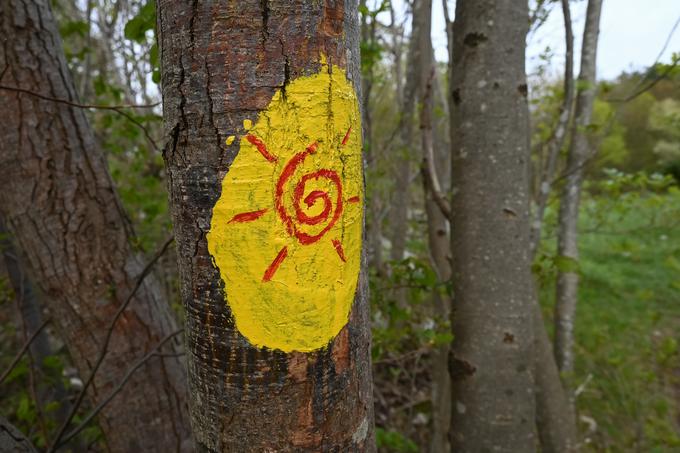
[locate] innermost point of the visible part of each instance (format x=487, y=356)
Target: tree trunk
x=59, y=201
x=567, y=246
x=437, y=232
x=31, y=316
x=491, y=363
x=373, y=213
x=555, y=142
x=12, y=440
x=404, y=154
x=555, y=418
x=274, y=290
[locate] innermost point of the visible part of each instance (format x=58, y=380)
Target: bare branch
x=23, y=350
x=77, y=104
x=152, y=353
x=427, y=168
x=116, y=108
x=104, y=349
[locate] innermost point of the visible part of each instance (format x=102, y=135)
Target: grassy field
x=628, y=322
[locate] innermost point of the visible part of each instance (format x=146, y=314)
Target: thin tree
x=407, y=93
x=58, y=200
x=579, y=153
x=433, y=162
x=555, y=418
x=491, y=365
x=263, y=156
x=555, y=142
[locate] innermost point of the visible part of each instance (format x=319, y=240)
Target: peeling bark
x=491, y=366
x=221, y=65
x=59, y=201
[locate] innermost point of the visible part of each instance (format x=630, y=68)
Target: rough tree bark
x=493, y=404
x=225, y=67
x=567, y=242
x=59, y=201
x=12, y=440
x=31, y=317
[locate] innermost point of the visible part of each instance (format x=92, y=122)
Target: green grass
x=628, y=323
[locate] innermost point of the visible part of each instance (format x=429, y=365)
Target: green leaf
x=74, y=27
x=153, y=55
x=24, y=410
x=53, y=362
x=144, y=21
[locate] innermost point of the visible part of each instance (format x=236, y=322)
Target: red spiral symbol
x=293, y=223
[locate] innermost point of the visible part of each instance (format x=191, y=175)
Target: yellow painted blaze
x=286, y=231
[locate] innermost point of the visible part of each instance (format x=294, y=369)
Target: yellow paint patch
x=230, y=140
x=286, y=231
x=247, y=124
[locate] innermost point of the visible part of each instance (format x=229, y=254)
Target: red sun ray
x=354, y=199
x=271, y=270
x=248, y=216
x=339, y=249
x=344, y=140
x=261, y=147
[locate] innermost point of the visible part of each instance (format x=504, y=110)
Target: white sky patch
x=632, y=34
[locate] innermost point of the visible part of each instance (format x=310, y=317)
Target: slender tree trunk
x=567, y=247
x=556, y=141
x=491, y=365
x=404, y=153
x=59, y=201
x=373, y=212
x=555, y=418
x=278, y=332
x=437, y=233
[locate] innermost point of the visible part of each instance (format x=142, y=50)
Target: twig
x=77, y=104
x=636, y=91
x=119, y=387
x=23, y=350
x=105, y=346
x=116, y=108
x=583, y=386
x=429, y=172
x=449, y=31
x=651, y=85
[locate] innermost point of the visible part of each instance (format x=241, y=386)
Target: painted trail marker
x=286, y=231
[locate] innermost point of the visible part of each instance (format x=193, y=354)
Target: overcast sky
x=633, y=32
